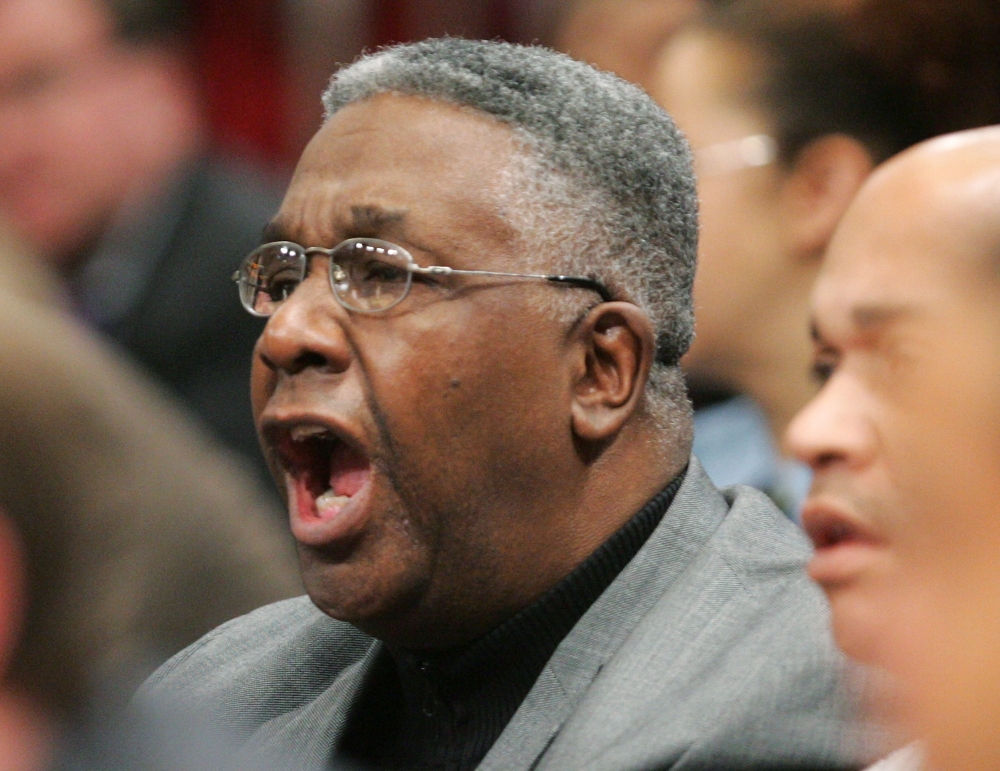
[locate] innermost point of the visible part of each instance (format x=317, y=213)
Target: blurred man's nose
x=835, y=428
x=307, y=330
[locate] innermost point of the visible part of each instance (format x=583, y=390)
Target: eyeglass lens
x=366, y=275
x=269, y=275
x=369, y=275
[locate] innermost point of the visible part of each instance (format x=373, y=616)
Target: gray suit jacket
x=711, y=649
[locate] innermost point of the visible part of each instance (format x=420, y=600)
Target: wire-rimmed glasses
x=367, y=275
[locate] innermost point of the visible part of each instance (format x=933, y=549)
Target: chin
x=857, y=626
x=367, y=593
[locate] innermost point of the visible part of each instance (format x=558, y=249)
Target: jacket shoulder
x=259, y=666
x=733, y=664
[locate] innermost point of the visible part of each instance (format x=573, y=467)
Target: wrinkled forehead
x=421, y=164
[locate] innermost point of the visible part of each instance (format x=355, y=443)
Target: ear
x=823, y=182
x=618, y=344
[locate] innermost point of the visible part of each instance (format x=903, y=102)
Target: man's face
x=59, y=169
x=943, y=439
x=899, y=294
x=444, y=420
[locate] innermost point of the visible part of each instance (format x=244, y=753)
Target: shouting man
x=478, y=289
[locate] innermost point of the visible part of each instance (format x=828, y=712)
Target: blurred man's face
x=888, y=289
x=416, y=444
x=938, y=208
x=60, y=170
x=907, y=316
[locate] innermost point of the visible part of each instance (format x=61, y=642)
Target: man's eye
x=282, y=290
x=383, y=273
x=281, y=284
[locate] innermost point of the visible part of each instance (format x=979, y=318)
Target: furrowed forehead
x=363, y=220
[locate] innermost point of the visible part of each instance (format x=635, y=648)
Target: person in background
x=789, y=106
x=620, y=36
x=106, y=175
x=902, y=439
x=135, y=533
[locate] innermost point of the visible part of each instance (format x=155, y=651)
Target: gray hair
x=597, y=152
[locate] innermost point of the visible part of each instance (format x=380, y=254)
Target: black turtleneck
x=445, y=710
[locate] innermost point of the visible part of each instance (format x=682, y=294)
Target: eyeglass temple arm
x=581, y=281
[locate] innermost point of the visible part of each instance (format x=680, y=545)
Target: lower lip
x=833, y=566
x=311, y=529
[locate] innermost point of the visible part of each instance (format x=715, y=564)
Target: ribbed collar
x=445, y=710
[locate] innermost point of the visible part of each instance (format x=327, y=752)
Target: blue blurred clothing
x=733, y=441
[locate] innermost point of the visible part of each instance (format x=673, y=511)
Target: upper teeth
x=301, y=433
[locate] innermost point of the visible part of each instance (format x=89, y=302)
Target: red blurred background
x=263, y=63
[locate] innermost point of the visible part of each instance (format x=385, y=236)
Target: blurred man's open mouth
x=327, y=479
x=845, y=546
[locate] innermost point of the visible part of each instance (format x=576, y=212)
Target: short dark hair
x=620, y=155
x=890, y=73
x=148, y=21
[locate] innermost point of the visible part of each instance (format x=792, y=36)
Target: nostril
x=824, y=459
x=309, y=359
x=301, y=362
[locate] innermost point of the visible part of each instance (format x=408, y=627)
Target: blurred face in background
x=904, y=440
x=703, y=81
x=54, y=180
x=621, y=36
x=85, y=119
x=946, y=631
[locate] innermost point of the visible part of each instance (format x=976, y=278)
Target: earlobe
x=827, y=175
x=618, y=347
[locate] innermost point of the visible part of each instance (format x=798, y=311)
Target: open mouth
x=828, y=529
x=845, y=547
x=326, y=479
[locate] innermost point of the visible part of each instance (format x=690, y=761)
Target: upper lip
x=278, y=433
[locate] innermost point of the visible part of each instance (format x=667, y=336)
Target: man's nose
x=835, y=428
x=306, y=331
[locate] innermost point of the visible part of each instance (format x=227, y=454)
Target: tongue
x=349, y=470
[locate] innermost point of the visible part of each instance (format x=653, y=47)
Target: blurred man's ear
x=13, y=592
x=824, y=180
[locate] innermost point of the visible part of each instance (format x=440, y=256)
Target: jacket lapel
x=694, y=515
x=304, y=739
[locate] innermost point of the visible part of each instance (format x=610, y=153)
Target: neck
x=516, y=559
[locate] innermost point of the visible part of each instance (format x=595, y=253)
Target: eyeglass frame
x=749, y=152
x=582, y=282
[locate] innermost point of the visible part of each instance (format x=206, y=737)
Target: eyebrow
x=369, y=220
x=376, y=219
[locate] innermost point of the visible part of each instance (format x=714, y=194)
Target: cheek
x=262, y=383
x=859, y=611
x=737, y=256
x=477, y=402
